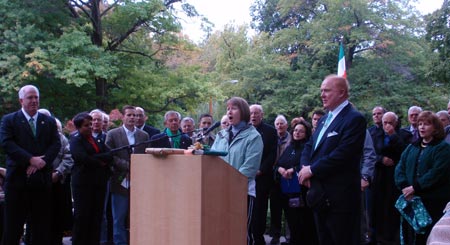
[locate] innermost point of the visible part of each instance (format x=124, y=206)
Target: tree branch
x=164, y=107
x=72, y=10
x=117, y=41
x=82, y=8
x=137, y=52
x=170, y=2
x=111, y=6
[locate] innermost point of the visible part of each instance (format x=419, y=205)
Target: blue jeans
x=119, y=206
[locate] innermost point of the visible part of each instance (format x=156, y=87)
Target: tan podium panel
x=186, y=200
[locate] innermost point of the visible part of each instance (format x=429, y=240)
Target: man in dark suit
x=125, y=135
x=171, y=137
x=98, y=117
x=331, y=166
x=410, y=133
x=141, y=118
x=31, y=143
x=264, y=176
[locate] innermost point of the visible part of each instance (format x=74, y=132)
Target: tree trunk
x=97, y=39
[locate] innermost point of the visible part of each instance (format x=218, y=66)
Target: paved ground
x=67, y=241
x=268, y=239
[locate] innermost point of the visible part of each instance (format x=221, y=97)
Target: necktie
x=32, y=126
x=324, y=128
x=415, y=134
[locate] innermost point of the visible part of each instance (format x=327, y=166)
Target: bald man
x=331, y=166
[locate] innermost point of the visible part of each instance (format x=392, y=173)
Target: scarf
x=174, y=138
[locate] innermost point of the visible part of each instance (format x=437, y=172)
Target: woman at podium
x=244, y=146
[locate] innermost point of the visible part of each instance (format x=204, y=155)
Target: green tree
x=438, y=36
x=383, y=45
x=107, y=52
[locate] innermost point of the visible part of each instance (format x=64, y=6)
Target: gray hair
x=98, y=111
x=259, y=107
x=414, y=108
x=59, y=125
x=439, y=113
x=140, y=109
x=188, y=119
x=45, y=112
x=282, y=118
x=171, y=113
x=390, y=113
x=25, y=88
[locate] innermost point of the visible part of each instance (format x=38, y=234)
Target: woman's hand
x=282, y=171
x=408, y=192
x=388, y=161
x=289, y=173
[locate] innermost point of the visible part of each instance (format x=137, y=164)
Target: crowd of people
x=335, y=180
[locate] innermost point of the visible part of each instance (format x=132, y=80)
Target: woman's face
x=234, y=114
x=299, y=132
x=426, y=130
x=86, y=128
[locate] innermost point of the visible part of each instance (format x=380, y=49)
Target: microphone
x=214, y=126
x=199, y=130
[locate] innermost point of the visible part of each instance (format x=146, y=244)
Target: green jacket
x=244, y=152
x=433, y=170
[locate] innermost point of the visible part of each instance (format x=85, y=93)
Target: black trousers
x=62, y=211
x=250, y=215
x=88, y=213
x=263, y=186
x=300, y=221
x=25, y=205
x=337, y=227
x=276, y=210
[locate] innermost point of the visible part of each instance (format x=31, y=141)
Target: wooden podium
x=186, y=200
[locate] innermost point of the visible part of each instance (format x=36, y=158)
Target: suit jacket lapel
x=26, y=124
x=39, y=124
x=123, y=139
x=336, y=121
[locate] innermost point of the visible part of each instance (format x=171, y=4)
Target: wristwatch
x=365, y=177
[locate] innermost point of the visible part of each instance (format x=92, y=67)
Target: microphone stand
x=129, y=147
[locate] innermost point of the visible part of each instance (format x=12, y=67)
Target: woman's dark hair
x=79, y=118
x=243, y=106
x=306, y=125
x=430, y=117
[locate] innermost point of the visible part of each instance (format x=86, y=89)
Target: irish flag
x=341, y=64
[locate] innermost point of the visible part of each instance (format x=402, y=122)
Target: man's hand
x=37, y=162
x=304, y=175
x=364, y=184
x=31, y=170
x=55, y=177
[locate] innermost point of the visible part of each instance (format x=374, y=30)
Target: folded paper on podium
x=186, y=199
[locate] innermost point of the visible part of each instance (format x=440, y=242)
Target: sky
x=237, y=12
